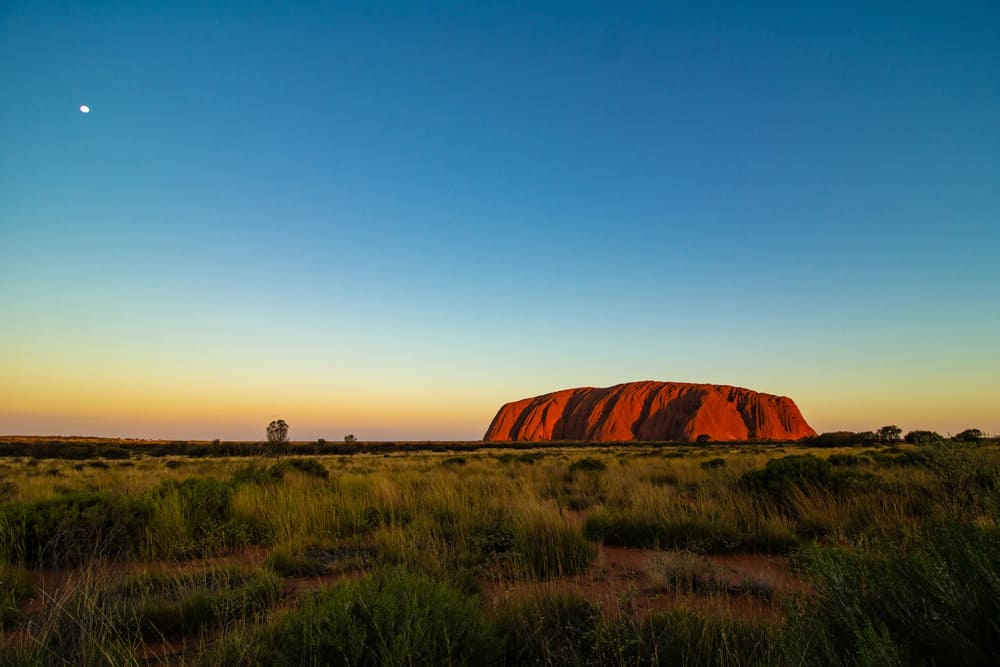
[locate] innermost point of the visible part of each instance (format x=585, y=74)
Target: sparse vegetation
x=505, y=557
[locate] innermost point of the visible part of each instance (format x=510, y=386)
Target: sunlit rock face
x=650, y=411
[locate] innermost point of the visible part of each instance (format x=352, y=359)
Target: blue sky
x=389, y=220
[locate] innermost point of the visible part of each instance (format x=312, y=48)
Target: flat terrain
x=125, y=552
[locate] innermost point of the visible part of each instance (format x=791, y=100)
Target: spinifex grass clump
x=305, y=466
x=695, y=532
x=195, y=518
x=934, y=600
x=780, y=476
x=168, y=606
x=16, y=587
x=389, y=618
x=683, y=637
x=73, y=528
x=552, y=626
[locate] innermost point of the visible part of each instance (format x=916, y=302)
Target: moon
x=84, y=108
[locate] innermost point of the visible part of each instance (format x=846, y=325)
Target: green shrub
x=932, y=601
x=713, y=463
x=254, y=474
x=307, y=562
x=194, y=604
x=73, y=528
x=389, y=618
x=16, y=588
x=305, y=466
x=696, y=534
x=554, y=627
x=846, y=460
x=780, y=477
x=548, y=547
x=685, y=638
x=206, y=502
x=588, y=464
x=923, y=437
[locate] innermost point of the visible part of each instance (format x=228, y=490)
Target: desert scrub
x=310, y=467
x=167, y=606
x=388, y=618
x=195, y=518
x=682, y=637
x=73, y=528
x=932, y=600
x=551, y=626
x=16, y=587
x=706, y=533
x=547, y=546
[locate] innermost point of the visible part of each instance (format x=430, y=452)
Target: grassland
x=756, y=554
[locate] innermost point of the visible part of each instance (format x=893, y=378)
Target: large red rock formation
x=650, y=411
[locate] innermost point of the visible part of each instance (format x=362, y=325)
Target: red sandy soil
x=617, y=581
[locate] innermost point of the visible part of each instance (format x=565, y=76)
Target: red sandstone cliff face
x=650, y=411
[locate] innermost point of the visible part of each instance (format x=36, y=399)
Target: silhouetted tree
x=969, y=435
x=350, y=438
x=889, y=434
x=923, y=437
x=277, y=432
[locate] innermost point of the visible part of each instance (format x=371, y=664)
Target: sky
x=389, y=219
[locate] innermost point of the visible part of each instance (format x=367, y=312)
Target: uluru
x=650, y=411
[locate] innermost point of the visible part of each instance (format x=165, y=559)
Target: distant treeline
x=109, y=448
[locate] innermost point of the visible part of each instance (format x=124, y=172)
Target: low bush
x=16, y=587
x=305, y=466
x=780, y=477
x=73, y=528
x=554, y=626
x=191, y=605
x=934, y=600
x=588, y=464
x=306, y=562
x=389, y=618
x=923, y=437
x=683, y=637
x=695, y=534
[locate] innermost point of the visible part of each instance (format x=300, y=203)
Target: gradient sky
x=388, y=220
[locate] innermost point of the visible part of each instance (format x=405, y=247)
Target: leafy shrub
x=969, y=435
x=73, y=528
x=253, y=474
x=308, y=562
x=933, y=601
x=588, y=464
x=923, y=437
x=713, y=463
x=843, y=439
x=780, y=476
x=554, y=626
x=195, y=603
x=696, y=534
x=16, y=587
x=685, y=638
x=305, y=466
x=546, y=546
x=195, y=518
x=389, y=618
x=846, y=460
